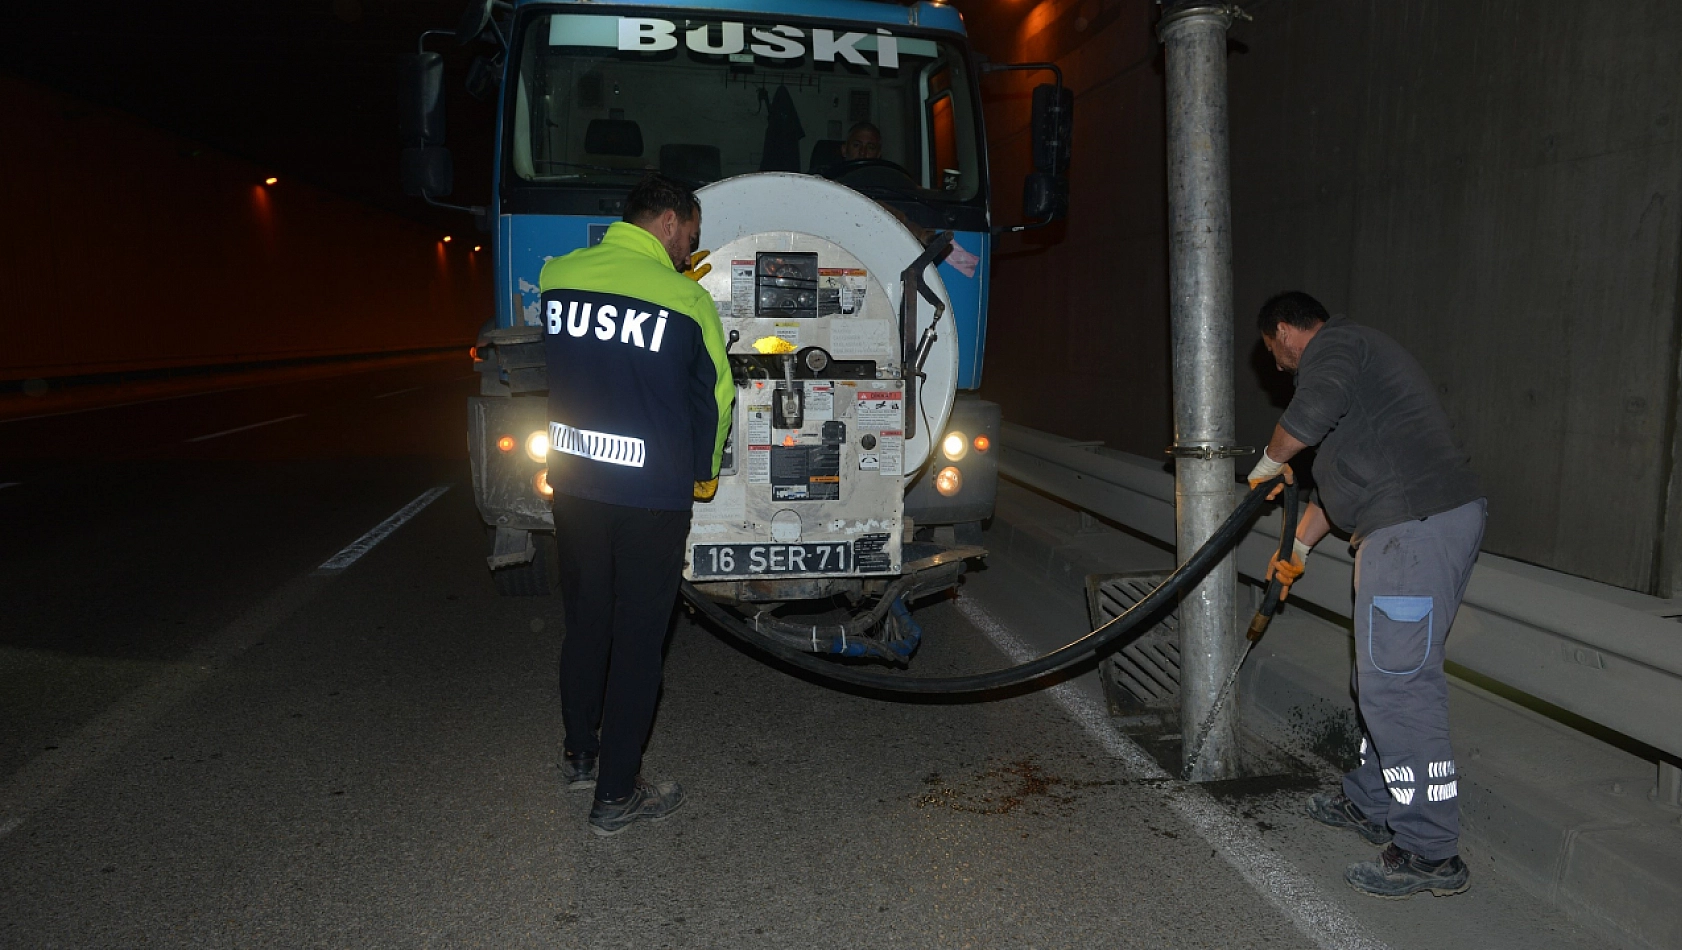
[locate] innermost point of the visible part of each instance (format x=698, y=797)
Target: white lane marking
x=254, y=425
x=380, y=532
x=10, y=484
x=1323, y=922
x=398, y=392
x=44, y=777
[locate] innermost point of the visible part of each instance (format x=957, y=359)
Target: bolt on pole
x=1200, y=301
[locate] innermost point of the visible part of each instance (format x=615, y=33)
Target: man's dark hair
x=1293, y=308
x=655, y=195
x=863, y=127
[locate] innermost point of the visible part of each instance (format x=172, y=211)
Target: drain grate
x=1146, y=672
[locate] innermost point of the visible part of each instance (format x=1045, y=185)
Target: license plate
x=734, y=560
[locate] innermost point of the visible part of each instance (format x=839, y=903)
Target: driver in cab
x=863, y=141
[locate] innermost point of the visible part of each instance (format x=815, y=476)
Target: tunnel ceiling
x=306, y=88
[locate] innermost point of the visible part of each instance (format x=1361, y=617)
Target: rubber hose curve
x=1184, y=577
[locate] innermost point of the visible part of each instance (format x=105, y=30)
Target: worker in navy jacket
x=640, y=395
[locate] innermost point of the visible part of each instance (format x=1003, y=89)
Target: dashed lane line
x=10, y=484
x=44, y=777
x=346, y=557
x=254, y=425
x=1286, y=888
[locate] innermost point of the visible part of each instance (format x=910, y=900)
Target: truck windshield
x=600, y=99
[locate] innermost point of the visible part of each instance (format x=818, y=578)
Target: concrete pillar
x=1200, y=304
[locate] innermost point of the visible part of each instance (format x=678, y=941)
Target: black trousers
x=620, y=569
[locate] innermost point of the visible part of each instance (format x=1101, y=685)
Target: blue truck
x=839, y=153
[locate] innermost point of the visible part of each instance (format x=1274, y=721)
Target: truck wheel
x=535, y=578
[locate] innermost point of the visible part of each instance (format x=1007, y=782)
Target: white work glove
x=1266, y=469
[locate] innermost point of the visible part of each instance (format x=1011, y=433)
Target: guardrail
x=1606, y=654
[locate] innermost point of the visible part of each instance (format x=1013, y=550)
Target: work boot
x=652, y=802
x=1335, y=809
x=578, y=771
x=1399, y=874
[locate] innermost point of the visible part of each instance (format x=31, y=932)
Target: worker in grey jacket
x=1388, y=472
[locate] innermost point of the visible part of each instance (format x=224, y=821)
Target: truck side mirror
x=1053, y=125
x=474, y=19
x=484, y=76
x=421, y=100
x=1045, y=193
x=427, y=171
x=1045, y=196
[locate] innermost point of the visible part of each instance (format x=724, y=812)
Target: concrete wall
x=123, y=247
x=1494, y=183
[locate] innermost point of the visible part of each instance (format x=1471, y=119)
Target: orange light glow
x=447, y=239
x=473, y=351
x=982, y=443
x=271, y=181
x=540, y=483
x=788, y=440
x=949, y=481
x=476, y=248
x=506, y=443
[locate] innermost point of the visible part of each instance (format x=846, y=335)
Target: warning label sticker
x=841, y=290
x=741, y=288
x=820, y=402
x=879, y=410
x=758, y=425
x=759, y=465
x=890, y=452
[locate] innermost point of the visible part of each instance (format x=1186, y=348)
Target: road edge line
x=1280, y=882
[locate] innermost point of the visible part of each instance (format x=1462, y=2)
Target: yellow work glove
x=1288, y=572
x=698, y=270
x=1266, y=469
x=704, y=491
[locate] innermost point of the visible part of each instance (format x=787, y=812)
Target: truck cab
x=841, y=161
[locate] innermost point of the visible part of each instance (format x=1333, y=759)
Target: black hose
x=1275, y=588
x=1183, y=578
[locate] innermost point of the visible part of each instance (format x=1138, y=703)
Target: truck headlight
x=949, y=481
x=537, y=446
x=955, y=446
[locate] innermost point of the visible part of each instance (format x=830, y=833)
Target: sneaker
x=652, y=802
x=578, y=771
x=1399, y=874
x=1335, y=809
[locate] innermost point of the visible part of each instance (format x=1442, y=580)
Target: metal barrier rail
x=1600, y=652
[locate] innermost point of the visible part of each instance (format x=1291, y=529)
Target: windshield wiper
x=918, y=195
x=638, y=172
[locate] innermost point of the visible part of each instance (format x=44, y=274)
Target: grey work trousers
x=1409, y=579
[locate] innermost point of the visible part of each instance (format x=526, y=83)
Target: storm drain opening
x=1141, y=684
x=1144, y=676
